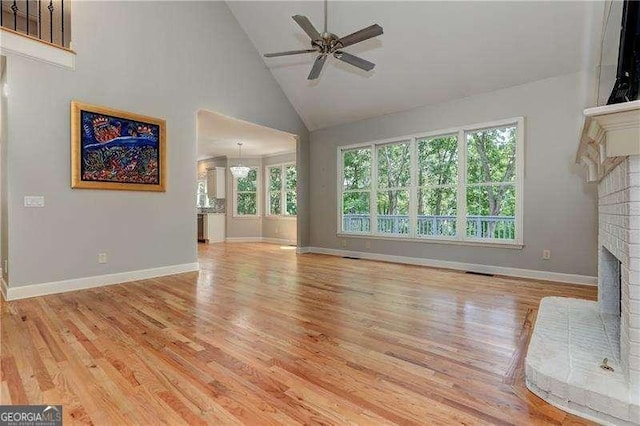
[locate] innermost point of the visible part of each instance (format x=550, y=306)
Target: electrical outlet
x=343, y=242
x=546, y=254
x=277, y=230
x=367, y=244
x=102, y=257
x=34, y=201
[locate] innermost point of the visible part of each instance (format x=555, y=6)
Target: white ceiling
x=219, y=135
x=430, y=52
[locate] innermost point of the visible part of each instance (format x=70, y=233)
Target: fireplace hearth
x=584, y=356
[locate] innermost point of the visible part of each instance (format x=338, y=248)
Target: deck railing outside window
x=46, y=20
x=495, y=227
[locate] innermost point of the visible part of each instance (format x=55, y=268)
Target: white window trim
x=257, y=191
x=283, y=191
x=461, y=210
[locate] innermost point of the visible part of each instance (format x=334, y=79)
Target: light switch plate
x=34, y=201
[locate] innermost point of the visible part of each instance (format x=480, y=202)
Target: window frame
x=283, y=190
x=376, y=190
x=373, y=210
x=461, y=207
x=415, y=170
x=257, y=192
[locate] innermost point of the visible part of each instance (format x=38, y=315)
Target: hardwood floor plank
x=264, y=336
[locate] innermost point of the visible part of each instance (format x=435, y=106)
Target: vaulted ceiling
x=430, y=52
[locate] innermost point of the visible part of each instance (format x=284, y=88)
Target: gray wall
x=559, y=207
x=163, y=59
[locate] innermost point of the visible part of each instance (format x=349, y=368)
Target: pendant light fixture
x=239, y=171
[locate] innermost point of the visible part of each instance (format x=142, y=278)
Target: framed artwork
x=113, y=149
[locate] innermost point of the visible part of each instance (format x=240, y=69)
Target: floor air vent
x=478, y=273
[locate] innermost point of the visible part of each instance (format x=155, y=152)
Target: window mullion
x=461, y=210
x=283, y=196
x=267, y=191
x=413, y=184
x=520, y=174
x=340, y=189
x=373, y=191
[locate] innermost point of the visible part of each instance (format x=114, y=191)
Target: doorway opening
x=256, y=202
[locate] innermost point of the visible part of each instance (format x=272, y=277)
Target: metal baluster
x=14, y=8
x=40, y=19
x=50, y=7
x=27, y=17
x=1, y=13
x=62, y=21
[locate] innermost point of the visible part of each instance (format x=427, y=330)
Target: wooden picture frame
x=118, y=150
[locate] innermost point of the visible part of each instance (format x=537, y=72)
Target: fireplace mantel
x=610, y=133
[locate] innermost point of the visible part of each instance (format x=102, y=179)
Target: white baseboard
x=302, y=250
x=280, y=241
x=472, y=267
x=14, y=293
x=243, y=239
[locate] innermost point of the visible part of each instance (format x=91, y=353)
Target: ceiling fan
x=327, y=43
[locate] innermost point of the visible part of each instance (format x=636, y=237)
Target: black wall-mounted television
x=627, y=82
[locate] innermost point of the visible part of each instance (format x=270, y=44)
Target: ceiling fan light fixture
x=326, y=43
x=239, y=171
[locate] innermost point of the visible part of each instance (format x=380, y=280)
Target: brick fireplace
x=619, y=241
x=584, y=356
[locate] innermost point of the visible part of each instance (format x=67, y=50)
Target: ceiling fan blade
x=307, y=26
x=317, y=67
x=289, y=52
x=354, y=60
x=362, y=35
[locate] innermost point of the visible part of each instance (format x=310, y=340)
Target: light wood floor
x=262, y=336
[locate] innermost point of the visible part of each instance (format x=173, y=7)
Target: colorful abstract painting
x=116, y=149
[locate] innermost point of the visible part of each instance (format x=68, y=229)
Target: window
x=461, y=184
x=437, y=186
x=356, y=190
x=290, y=190
x=202, y=199
x=275, y=191
x=393, y=188
x=246, y=194
x=282, y=190
x=491, y=183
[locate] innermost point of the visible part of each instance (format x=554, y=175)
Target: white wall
x=560, y=209
x=163, y=59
